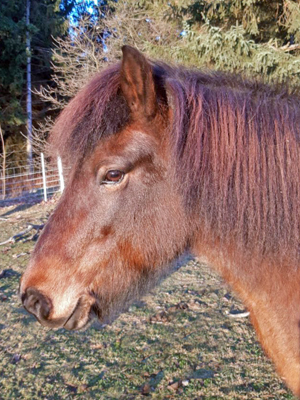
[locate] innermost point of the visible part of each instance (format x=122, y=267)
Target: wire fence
x=20, y=183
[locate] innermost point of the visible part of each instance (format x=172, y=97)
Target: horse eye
x=114, y=176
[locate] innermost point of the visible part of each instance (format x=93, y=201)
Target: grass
x=177, y=343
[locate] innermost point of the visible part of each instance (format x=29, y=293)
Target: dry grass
x=177, y=342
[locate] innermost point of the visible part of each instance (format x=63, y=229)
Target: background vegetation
x=72, y=40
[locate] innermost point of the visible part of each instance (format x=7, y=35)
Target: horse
x=164, y=159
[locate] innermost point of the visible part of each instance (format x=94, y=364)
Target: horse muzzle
x=39, y=305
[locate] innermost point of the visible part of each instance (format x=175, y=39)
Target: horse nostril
x=36, y=303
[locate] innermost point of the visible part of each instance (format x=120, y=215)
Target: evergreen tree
x=47, y=20
x=12, y=62
x=253, y=37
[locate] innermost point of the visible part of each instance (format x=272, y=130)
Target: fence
x=19, y=183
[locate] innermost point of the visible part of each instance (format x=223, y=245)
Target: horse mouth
x=82, y=314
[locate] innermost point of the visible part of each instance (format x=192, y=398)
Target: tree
x=48, y=19
x=253, y=37
x=262, y=20
x=250, y=37
x=12, y=62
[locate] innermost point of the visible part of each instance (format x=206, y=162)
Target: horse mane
x=236, y=143
x=238, y=156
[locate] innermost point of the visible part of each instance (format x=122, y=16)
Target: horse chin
x=86, y=311
x=104, y=312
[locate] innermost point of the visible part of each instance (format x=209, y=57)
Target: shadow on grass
x=17, y=208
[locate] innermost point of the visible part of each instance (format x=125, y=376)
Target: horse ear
x=137, y=83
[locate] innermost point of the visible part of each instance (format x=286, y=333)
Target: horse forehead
x=128, y=141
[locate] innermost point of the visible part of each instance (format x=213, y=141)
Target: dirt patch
x=178, y=342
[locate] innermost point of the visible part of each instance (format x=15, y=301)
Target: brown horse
x=163, y=160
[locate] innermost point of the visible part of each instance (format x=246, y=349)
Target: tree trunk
x=29, y=101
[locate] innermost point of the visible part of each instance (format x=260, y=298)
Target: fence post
x=44, y=176
x=60, y=174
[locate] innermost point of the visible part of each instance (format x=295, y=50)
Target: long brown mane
x=236, y=146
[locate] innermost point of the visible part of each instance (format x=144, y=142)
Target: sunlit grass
x=176, y=343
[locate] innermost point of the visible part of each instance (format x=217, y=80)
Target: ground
x=177, y=343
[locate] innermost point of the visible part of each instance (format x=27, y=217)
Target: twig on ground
x=243, y=314
x=19, y=235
